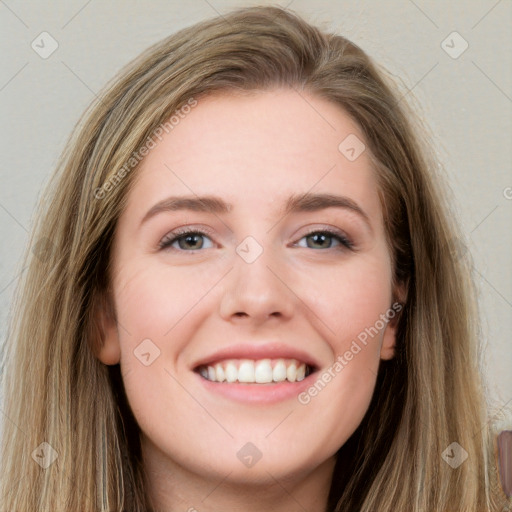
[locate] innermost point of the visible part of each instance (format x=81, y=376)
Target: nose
x=257, y=292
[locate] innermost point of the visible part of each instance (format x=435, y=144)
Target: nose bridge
x=254, y=287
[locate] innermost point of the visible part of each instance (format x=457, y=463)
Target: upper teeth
x=261, y=371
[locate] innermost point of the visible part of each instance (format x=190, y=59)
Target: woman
x=244, y=294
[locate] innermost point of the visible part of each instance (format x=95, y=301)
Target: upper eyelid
x=210, y=232
x=183, y=231
x=328, y=229
x=190, y=228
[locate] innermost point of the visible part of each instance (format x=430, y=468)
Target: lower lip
x=258, y=393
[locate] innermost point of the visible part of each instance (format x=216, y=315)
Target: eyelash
x=345, y=242
x=168, y=240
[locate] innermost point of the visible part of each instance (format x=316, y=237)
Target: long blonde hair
x=57, y=391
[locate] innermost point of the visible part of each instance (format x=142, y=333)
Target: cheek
x=152, y=301
x=352, y=303
x=153, y=307
x=335, y=409
x=157, y=310
x=350, y=299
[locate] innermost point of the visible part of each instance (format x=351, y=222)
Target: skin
x=253, y=151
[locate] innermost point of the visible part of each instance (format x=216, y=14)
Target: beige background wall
x=465, y=97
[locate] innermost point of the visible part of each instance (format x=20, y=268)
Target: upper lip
x=256, y=352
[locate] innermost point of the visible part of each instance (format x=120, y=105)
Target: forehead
x=257, y=149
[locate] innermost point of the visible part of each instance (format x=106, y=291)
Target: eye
x=186, y=240
x=194, y=239
x=326, y=239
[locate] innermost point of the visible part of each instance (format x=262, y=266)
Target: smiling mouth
x=261, y=371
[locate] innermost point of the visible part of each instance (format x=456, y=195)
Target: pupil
x=192, y=240
x=319, y=239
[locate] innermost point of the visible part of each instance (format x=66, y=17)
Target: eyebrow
x=295, y=204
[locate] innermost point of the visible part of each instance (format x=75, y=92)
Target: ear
x=103, y=334
x=388, y=347
x=387, y=350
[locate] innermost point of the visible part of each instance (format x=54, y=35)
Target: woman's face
x=286, y=272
